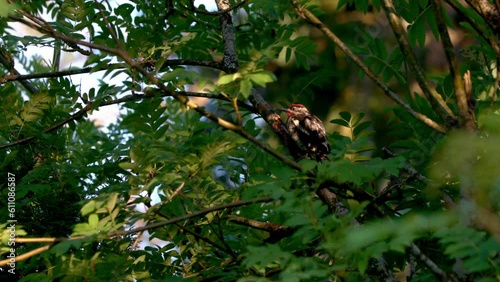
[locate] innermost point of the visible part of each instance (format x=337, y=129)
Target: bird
x=308, y=131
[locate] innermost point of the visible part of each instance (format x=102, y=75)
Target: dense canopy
x=144, y=140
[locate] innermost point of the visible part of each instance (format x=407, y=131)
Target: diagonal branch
x=489, y=12
x=312, y=19
x=458, y=83
x=432, y=266
x=189, y=216
x=404, y=44
x=272, y=118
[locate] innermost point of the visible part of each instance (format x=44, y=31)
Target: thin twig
x=191, y=215
x=169, y=199
x=166, y=64
x=199, y=237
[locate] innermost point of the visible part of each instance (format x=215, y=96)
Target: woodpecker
x=308, y=131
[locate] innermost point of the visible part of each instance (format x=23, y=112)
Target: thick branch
x=230, y=60
x=458, y=82
x=404, y=44
x=312, y=19
x=489, y=12
x=267, y=112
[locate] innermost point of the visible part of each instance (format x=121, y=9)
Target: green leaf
x=8, y=8
x=346, y=116
x=340, y=122
x=112, y=202
x=63, y=247
x=245, y=87
x=262, y=78
x=361, y=127
x=93, y=220
x=89, y=207
x=228, y=78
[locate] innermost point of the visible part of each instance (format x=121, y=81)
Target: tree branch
x=132, y=231
x=149, y=93
x=189, y=216
x=272, y=118
x=166, y=64
x=458, y=82
x=489, y=12
x=184, y=100
x=404, y=44
x=26, y=255
x=230, y=61
x=276, y=231
x=432, y=266
x=312, y=19
x=7, y=61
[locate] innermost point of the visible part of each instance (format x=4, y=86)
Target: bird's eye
x=294, y=108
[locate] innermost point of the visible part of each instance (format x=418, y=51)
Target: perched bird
x=308, y=131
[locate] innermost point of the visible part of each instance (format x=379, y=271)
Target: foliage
x=174, y=190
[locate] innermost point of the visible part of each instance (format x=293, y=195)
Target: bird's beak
x=283, y=110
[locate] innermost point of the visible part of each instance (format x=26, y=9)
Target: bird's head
x=295, y=109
